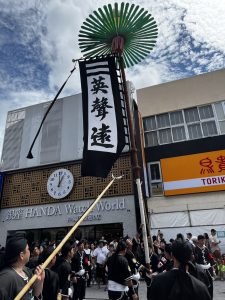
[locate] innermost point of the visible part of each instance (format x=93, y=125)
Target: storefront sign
x=72, y=210
x=197, y=173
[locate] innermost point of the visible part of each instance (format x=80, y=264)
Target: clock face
x=60, y=183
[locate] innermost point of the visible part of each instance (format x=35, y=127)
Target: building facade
x=30, y=201
x=184, y=127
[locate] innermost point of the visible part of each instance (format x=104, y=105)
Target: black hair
x=182, y=251
x=45, y=254
x=206, y=236
x=201, y=237
x=66, y=249
x=121, y=246
x=168, y=248
x=180, y=237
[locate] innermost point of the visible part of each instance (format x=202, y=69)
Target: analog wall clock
x=60, y=183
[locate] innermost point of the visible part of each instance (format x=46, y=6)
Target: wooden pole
x=136, y=166
x=58, y=248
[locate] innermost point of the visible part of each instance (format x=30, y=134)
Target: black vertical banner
x=103, y=117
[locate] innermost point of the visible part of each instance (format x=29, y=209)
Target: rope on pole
x=69, y=234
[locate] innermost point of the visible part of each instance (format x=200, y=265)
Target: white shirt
x=213, y=241
x=101, y=254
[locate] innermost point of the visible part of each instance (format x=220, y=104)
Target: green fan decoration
x=127, y=30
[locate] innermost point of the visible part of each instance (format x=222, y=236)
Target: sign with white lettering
x=196, y=173
x=72, y=210
x=109, y=210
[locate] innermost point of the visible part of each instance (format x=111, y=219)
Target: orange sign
x=196, y=173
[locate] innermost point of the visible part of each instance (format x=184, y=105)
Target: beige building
x=184, y=126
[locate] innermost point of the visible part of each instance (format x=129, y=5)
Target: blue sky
x=39, y=38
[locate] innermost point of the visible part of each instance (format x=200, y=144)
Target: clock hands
x=60, y=180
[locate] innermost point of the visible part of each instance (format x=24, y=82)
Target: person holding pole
x=15, y=275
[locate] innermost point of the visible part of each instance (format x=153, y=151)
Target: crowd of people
x=183, y=267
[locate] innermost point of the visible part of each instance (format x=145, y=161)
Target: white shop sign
x=72, y=210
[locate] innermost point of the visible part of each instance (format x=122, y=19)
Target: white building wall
x=172, y=96
x=179, y=94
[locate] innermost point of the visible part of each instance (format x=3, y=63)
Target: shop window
x=149, y=123
x=176, y=118
x=206, y=112
x=151, y=139
x=178, y=133
x=163, y=120
x=209, y=128
x=220, y=112
x=191, y=115
x=155, y=175
x=188, y=124
x=165, y=136
x=194, y=131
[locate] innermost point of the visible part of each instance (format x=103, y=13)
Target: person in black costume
x=133, y=263
x=168, y=256
x=14, y=274
x=78, y=267
x=51, y=281
x=177, y=283
x=204, y=259
x=120, y=285
x=64, y=270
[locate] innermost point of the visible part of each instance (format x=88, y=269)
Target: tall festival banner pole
x=130, y=33
x=136, y=167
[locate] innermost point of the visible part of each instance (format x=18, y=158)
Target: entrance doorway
x=91, y=233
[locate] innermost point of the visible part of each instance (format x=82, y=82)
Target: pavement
x=94, y=293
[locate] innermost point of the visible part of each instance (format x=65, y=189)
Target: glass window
x=155, y=173
x=206, y=112
x=191, y=115
x=220, y=111
x=151, y=139
x=194, y=131
x=163, y=120
x=222, y=127
x=155, y=176
x=165, y=136
x=209, y=128
x=149, y=123
x=176, y=118
x=178, y=133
